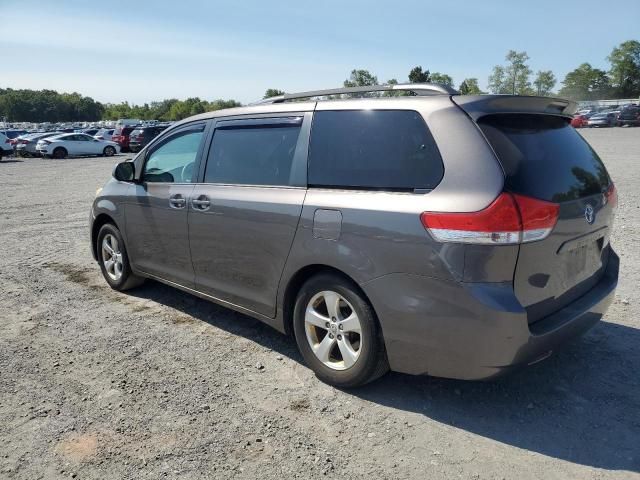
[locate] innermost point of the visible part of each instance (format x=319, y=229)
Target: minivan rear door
x=544, y=157
x=245, y=209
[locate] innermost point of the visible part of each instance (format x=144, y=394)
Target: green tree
x=47, y=106
x=469, y=86
x=272, y=92
x=512, y=78
x=586, y=83
x=625, y=69
x=361, y=78
x=544, y=82
x=518, y=72
x=497, y=80
x=441, y=78
x=417, y=75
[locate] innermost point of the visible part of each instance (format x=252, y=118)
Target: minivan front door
x=243, y=217
x=156, y=216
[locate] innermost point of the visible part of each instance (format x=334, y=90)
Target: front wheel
x=109, y=151
x=113, y=259
x=337, y=332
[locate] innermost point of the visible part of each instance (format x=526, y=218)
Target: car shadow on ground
x=11, y=160
x=582, y=405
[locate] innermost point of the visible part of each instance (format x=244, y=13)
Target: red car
x=579, y=121
x=121, y=137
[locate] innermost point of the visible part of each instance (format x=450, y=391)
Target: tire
x=60, y=153
x=109, y=151
x=370, y=360
x=125, y=280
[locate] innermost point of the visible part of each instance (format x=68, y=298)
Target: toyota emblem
x=589, y=214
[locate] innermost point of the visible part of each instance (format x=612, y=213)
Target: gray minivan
x=426, y=233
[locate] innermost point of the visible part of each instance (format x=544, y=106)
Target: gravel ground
x=157, y=383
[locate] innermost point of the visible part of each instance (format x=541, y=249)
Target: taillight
x=611, y=196
x=510, y=219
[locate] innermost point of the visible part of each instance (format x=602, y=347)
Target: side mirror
x=124, y=172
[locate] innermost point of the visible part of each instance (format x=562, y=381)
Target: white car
x=104, y=134
x=75, y=145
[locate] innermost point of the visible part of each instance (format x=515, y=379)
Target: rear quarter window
x=544, y=157
x=373, y=149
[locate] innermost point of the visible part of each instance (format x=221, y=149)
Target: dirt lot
x=156, y=383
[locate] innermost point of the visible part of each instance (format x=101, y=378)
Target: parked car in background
x=10, y=136
x=603, y=120
x=128, y=122
x=579, y=121
x=365, y=229
x=89, y=131
x=26, y=144
x=143, y=135
x=5, y=146
x=629, y=116
x=104, y=134
x=74, y=145
x=121, y=137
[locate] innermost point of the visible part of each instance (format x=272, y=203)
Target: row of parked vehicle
x=69, y=142
x=626, y=116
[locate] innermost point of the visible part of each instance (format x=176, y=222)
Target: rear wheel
x=60, y=153
x=109, y=151
x=113, y=259
x=337, y=332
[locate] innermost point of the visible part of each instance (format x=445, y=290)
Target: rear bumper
x=475, y=331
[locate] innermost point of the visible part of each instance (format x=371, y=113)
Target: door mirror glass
x=124, y=172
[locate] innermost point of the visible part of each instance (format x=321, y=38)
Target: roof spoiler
x=477, y=106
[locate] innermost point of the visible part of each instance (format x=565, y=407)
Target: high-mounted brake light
x=510, y=219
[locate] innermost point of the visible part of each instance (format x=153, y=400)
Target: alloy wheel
x=333, y=330
x=112, y=257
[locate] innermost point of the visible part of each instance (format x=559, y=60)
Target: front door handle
x=177, y=201
x=201, y=203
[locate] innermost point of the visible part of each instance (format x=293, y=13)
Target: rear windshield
x=544, y=157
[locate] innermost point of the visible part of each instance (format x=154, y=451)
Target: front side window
x=253, y=153
x=174, y=160
x=373, y=149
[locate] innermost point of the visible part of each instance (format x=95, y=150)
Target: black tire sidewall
x=59, y=149
x=126, y=267
x=109, y=149
x=364, y=370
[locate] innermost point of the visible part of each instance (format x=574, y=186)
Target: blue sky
x=141, y=51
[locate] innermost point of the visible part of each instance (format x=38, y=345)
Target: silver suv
x=426, y=233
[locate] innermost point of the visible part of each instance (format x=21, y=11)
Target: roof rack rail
x=419, y=89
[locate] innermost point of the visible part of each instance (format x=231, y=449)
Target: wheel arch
x=298, y=279
x=98, y=223
x=60, y=147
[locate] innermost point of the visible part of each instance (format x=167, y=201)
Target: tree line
x=50, y=106
x=515, y=77
x=621, y=80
